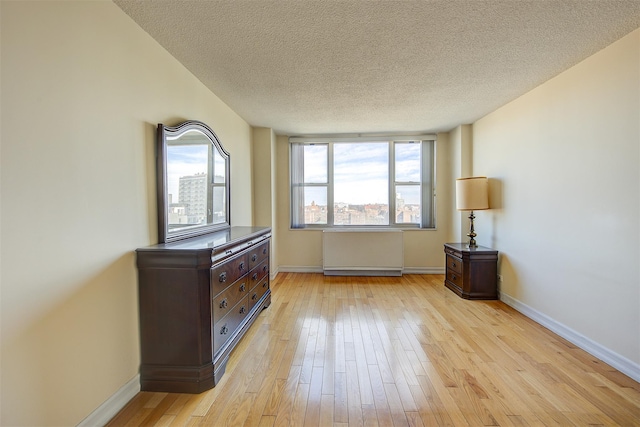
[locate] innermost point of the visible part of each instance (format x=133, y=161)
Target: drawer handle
x=264, y=268
x=242, y=288
x=254, y=257
x=264, y=285
x=223, y=277
x=227, y=252
x=264, y=251
x=241, y=266
x=453, y=277
x=224, y=330
x=254, y=297
x=223, y=303
x=453, y=264
x=242, y=309
x=255, y=276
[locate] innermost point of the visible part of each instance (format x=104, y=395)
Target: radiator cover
x=354, y=252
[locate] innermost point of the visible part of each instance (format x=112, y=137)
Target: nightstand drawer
x=455, y=278
x=453, y=252
x=454, y=264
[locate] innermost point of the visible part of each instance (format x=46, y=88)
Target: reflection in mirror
x=193, y=181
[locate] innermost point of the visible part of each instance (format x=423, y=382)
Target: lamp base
x=472, y=234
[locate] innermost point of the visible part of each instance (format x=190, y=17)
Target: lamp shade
x=472, y=194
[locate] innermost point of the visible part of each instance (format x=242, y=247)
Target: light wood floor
x=396, y=352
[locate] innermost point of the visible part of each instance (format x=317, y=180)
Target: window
x=383, y=182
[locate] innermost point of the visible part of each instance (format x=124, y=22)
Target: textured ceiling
x=365, y=66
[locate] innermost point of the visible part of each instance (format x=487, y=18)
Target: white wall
x=263, y=153
x=301, y=250
x=564, y=161
x=83, y=88
x=461, y=159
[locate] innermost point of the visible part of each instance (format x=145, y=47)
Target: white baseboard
x=362, y=272
x=300, y=269
x=423, y=270
x=113, y=405
x=318, y=269
x=621, y=363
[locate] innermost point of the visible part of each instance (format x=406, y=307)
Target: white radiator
x=354, y=252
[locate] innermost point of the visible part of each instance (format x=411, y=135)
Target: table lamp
x=472, y=194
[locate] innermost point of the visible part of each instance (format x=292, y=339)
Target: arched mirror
x=193, y=182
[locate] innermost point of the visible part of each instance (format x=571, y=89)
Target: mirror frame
x=164, y=134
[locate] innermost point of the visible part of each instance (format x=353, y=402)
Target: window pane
x=407, y=162
x=315, y=205
x=408, y=204
x=219, y=168
x=315, y=163
x=361, y=186
x=187, y=184
x=219, y=202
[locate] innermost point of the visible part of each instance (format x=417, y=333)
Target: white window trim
x=360, y=138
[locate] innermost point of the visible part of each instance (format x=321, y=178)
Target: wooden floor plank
x=353, y=395
x=326, y=410
x=160, y=409
x=385, y=351
x=379, y=396
x=312, y=412
x=132, y=409
x=340, y=401
x=287, y=398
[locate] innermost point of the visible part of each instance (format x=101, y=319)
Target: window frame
x=427, y=182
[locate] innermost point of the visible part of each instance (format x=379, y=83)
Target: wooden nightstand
x=472, y=273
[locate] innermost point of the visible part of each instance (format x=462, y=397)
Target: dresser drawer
x=258, y=292
x=258, y=273
x=257, y=255
x=454, y=264
x=228, y=272
x=224, y=328
x=224, y=301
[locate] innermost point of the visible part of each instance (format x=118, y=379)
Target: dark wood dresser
x=197, y=299
x=472, y=273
